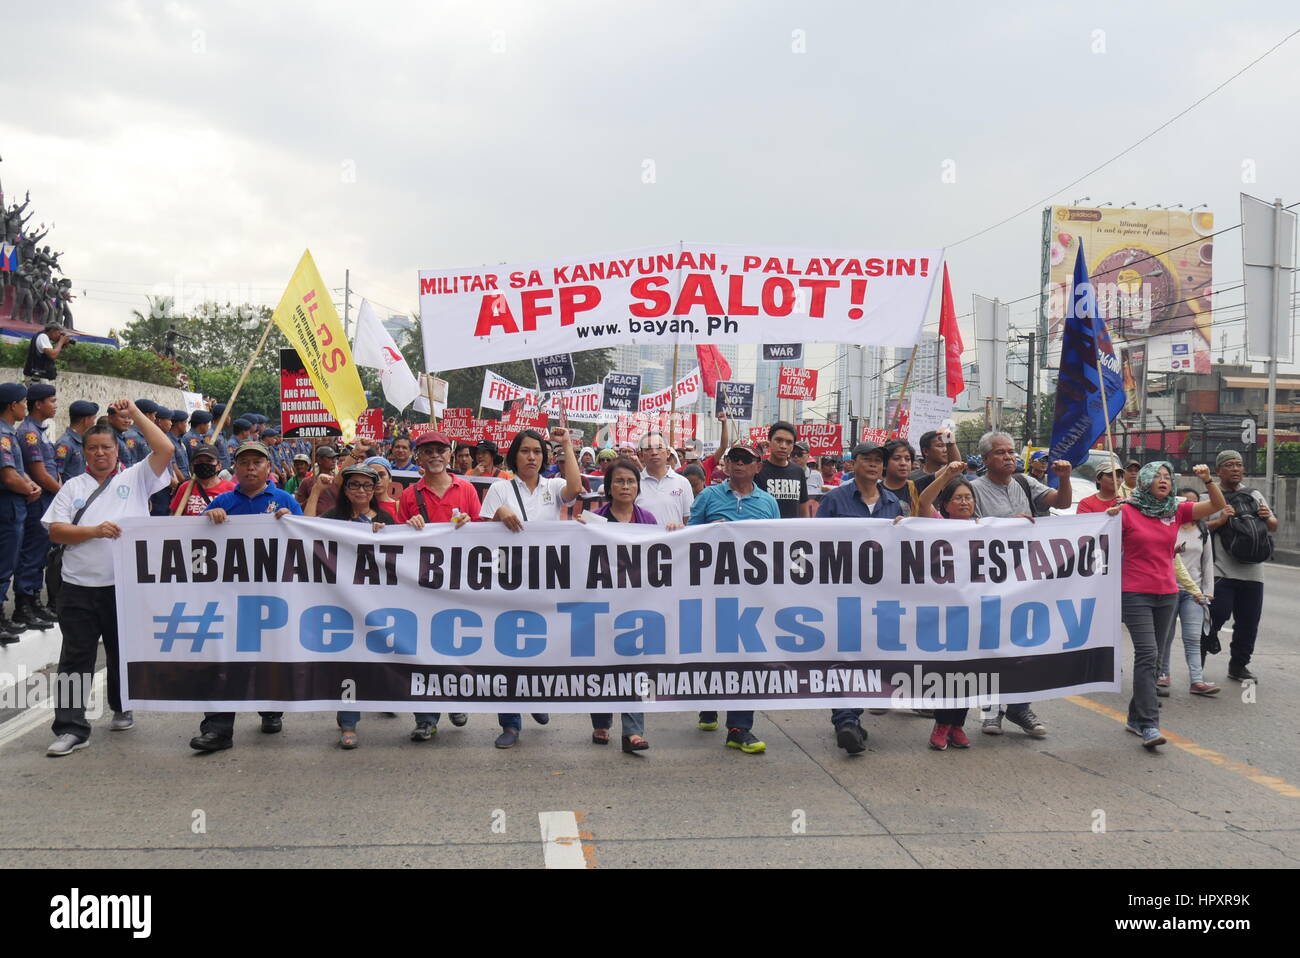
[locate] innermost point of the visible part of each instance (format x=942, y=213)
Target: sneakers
x=1151, y=738
x=1242, y=674
x=1028, y=721
x=1133, y=729
x=1204, y=688
x=423, y=731
x=745, y=740
x=122, y=721
x=851, y=737
x=992, y=725
x=507, y=738
x=458, y=719
x=708, y=721
x=66, y=744
x=957, y=737
x=939, y=737
x=1162, y=686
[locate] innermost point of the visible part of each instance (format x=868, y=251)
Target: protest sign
x=757, y=434
x=796, y=383
x=878, y=436
x=370, y=425
x=629, y=429
x=302, y=414
x=783, y=352
x=554, y=372
x=823, y=439
x=581, y=403
x=312, y=615
x=622, y=393
x=688, y=389
x=736, y=399
x=688, y=293
x=497, y=391
x=928, y=412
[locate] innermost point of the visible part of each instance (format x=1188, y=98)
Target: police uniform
x=182, y=457
x=221, y=442
x=192, y=438
x=13, y=505
x=30, y=576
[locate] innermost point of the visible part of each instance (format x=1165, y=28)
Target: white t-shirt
x=43, y=343
x=668, y=499
x=90, y=563
x=543, y=503
x=816, y=485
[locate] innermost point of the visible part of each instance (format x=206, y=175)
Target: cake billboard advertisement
x=1152, y=271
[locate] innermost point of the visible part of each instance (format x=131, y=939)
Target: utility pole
x=1031, y=407
x=1280, y=301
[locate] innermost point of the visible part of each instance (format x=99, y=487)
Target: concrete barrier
x=97, y=389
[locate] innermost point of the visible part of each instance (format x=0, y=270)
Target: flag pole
x=902, y=393
x=672, y=402
x=230, y=404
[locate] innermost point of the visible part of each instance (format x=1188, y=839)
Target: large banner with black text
x=313, y=614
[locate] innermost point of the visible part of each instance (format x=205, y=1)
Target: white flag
x=374, y=347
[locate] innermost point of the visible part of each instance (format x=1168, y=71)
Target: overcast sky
x=195, y=149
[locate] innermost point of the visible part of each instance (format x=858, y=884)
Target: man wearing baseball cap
x=17, y=494
x=1038, y=465
x=439, y=496
x=254, y=496
x=737, y=498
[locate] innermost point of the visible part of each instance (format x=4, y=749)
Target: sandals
x=347, y=738
x=634, y=743
x=600, y=736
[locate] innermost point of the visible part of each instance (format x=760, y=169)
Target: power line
x=1127, y=150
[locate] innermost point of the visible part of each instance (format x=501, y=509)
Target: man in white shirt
x=664, y=494
x=87, y=603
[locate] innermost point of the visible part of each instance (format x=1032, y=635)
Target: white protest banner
x=796, y=383
x=689, y=389
x=497, y=391
x=314, y=614
x=581, y=403
x=927, y=412
x=689, y=293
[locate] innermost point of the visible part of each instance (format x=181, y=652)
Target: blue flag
x=1081, y=417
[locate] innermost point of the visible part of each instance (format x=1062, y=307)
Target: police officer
x=69, y=454
x=16, y=491
x=180, y=422
x=127, y=436
x=220, y=441
x=38, y=460
x=198, y=434
x=280, y=468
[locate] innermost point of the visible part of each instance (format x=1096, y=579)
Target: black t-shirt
x=788, y=485
x=922, y=479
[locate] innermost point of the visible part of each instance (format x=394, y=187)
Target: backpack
x=1245, y=536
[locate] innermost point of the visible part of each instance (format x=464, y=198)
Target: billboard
x=1152, y=271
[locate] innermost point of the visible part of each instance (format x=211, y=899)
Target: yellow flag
x=308, y=319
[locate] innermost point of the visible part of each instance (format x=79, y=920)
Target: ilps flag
x=373, y=346
x=1089, y=370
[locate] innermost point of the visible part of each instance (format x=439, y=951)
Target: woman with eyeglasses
x=360, y=503
x=622, y=486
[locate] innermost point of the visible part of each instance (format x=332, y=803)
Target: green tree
x=148, y=330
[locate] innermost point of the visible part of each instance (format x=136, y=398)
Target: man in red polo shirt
x=440, y=493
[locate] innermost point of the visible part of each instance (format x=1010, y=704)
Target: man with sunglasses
x=737, y=498
x=439, y=495
x=664, y=494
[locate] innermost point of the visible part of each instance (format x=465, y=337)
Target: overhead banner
x=796, y=383
x=312, y=614
x=735, y=399
x=687, y=293
x=783, y=352
x=688, y=389
x=302, y=414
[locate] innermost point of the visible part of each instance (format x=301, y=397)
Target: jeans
x=29, y=578
x=349, y=720
x=85, y=615
x=512, y=720
x=742, y=720
x=955, y=717
x=633, y=722
x=1148, y=618
x=1237, y=599
x=1191, y=614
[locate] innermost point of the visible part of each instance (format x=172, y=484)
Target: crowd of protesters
x=1192, y=559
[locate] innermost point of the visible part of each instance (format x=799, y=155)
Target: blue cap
x=271, y=431
x=218, y=408
x=39, y=391
x=179, y=415
x=256, y=418
x=1041, y=454
x=164, y=413
x=974, y=461
x=239, y=425
x=13, y=392
x=199, y=417
x=82, y=407
x=147, y=406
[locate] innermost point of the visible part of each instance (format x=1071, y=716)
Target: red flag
x=951, y=337
x=713, y=366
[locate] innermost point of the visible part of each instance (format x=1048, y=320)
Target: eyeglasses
x=360, y=486
x=430, y=449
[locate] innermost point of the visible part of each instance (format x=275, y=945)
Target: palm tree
x=148, y=331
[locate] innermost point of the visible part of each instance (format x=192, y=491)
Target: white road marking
x=41, y=714
x=561, y=844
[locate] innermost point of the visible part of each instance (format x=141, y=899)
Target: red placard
x=630, y=429
x=797, y=383
x=302, y=414
x=878, y=436
x=758, y=434
x=823, y=439
x=370, y=425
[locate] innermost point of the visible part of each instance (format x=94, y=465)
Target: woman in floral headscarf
x=1151, y=517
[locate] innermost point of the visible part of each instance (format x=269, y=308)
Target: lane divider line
x=561, y=840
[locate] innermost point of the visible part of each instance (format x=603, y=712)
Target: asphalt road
x=1224, y=793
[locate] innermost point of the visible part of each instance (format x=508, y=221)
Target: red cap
x=428, y=437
